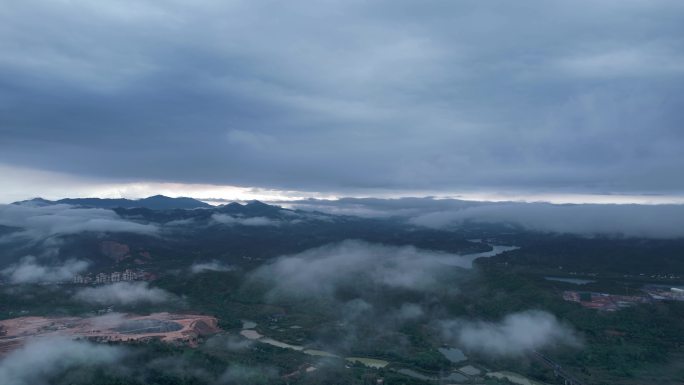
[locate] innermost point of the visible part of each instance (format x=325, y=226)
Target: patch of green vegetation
x=635, y=345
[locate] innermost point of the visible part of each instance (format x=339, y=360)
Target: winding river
x=251, y=334
x=466, y=260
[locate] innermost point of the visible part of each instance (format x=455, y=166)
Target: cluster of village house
x=116, y=276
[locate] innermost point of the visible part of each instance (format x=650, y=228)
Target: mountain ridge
x=155, y=202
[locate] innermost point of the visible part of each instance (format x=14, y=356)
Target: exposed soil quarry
x=172, y=328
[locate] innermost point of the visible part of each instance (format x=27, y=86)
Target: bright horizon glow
x=53, y=186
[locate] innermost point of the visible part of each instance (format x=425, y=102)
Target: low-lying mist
x=323, y=271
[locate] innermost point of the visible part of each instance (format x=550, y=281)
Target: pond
x=453, y=354
x=144, y=326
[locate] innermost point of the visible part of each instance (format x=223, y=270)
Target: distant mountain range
x=157, y=202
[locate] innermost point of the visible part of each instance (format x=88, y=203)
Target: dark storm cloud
x=348, y=95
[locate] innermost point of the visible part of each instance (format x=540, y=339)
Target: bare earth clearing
x=168, y=327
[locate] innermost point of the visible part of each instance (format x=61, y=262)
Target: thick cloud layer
x=381, y=208
x=38, y=223
x=348, y=96
x=42, y=359
x=244, y=221
x=515, y=334
x=30, y=270
x=321, y=271
x=658, y=221
x=123, y=293
x=649, y=221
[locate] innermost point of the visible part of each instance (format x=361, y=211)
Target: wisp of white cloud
x=210, y=266
x=29, y=270
x=123, y=293
x=320, y=271
x=38, y=223
x=514, y=335
x=41, y=360
x=250, y=221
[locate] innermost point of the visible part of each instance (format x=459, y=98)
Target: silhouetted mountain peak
x=156, y=202
x=251, y=208
x=36, y=202
x=159, y=196
x=256, y=203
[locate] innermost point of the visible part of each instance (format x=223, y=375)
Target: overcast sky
x=333, y=98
